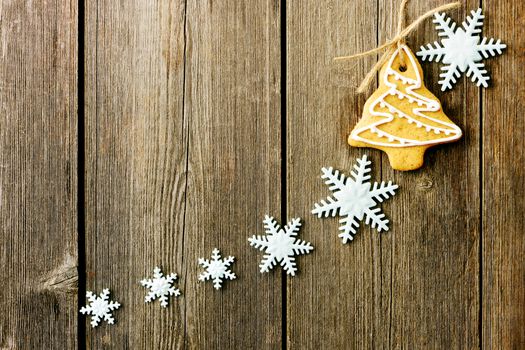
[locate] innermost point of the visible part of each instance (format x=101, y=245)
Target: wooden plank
x=151, y=202
x=333, y=303
x=430, y=259
x=232, y=106
x=503, y=182
x=38, y=174
x=135, y=165
x=417, y=285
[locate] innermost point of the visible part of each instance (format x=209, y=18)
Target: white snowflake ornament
x=160, y=286
x=280, y=245
x=354, y=199
x=461, y=50
x=99, y=308
x=217, y=269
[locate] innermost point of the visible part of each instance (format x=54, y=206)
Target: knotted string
x=396, y=42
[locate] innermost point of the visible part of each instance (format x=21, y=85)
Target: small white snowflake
x=354, y=199
x=217, y=269
x=461, y=49
x=161, y=287
x=99, y=307
x=280, y=245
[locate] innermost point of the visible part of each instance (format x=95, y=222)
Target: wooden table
x=143, y=133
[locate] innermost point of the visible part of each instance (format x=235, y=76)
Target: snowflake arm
x=268, y=262
x=292, y=228
x=270, y=225
x=478, y=73
x=228, y=274
x=204, y=263
x=472, y=25
x=376, y=218
x=362, y=169
x=348, y=228
x=443, y=25
x=160, y=286
x=289, y=265
x=301, y=247
x=333, y=179
x=259, y=242
x=206, y=275
x=100, y=308
x=217, y=269
x=91, y=297
x=383, y=191
x=325, y=208
x=217, y=283
x=228, y=261
x=431, y=53
x=490, y=48
x=449, y=76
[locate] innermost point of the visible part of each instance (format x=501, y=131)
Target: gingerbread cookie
x=402, y=118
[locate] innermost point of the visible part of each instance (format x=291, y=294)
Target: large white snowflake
x=99, y=307
x=461, y=50
x=160, y=287
x=354, y=199
x=217, y=269
x=280, y=245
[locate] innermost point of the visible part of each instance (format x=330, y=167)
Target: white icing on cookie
x=424, y=105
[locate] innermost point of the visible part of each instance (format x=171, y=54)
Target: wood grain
x=503, y=181
x=232, y=105
x=182, y=155
x=417, y=285
x=38, y=168
x=430, y=258
x=135, y=180
x=333, y=302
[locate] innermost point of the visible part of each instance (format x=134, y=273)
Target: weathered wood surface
x=419, y=285
x=333, y=301
x=182, y=155
x=183, y=147
x=38, y=168
x=431, y=256
x=503, y=183
x=232, y=105
x=135, y=168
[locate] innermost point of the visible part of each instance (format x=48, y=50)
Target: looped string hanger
x=397, y=42
x=401, y=19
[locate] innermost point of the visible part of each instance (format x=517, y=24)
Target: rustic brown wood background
x=140, y=133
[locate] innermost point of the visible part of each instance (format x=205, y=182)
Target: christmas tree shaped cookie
x=403, y=118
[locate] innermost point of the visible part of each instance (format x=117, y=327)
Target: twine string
x=401, y=20
x=397, y=42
